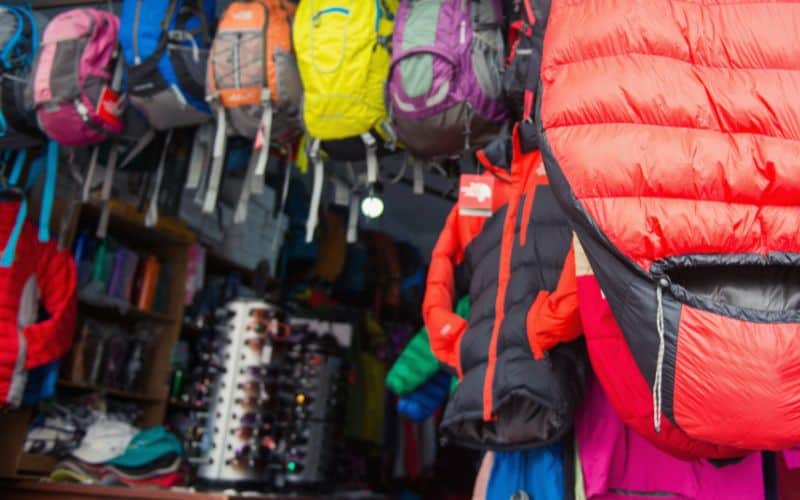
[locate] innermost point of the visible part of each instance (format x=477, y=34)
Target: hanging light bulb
x=372, y=206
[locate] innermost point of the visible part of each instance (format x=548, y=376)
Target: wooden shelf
x=191, y=329
x=169, y=241
x=45, y=490
x=125, y=219
x=116, y=393
x=114, y=312
x=36, y=463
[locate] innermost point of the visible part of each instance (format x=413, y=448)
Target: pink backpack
x=77, y=104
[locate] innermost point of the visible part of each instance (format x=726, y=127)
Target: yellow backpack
x=343, y=50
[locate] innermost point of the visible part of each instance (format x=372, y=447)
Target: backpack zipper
x=136, y=16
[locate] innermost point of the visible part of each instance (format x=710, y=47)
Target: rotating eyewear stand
x=235, y=458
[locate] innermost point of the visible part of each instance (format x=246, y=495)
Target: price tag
x=110, y=107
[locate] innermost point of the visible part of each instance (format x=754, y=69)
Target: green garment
x=417, y=364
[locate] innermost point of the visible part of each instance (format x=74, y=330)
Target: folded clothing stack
x=113, y=452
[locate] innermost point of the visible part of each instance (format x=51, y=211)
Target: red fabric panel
x=623, y=383
x=708, y=32
x=51, y=339
x=648, y=214
x=665, y=102
x=738, y=382
x=445, y=327
x=554, y=317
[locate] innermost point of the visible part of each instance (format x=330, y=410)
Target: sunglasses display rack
x=313, y=395
x=234, y=458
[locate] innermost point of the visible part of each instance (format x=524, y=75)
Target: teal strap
x=3, y=125
x=8, y=252
x=35, y=172
x=49, y=192
x=16, y=170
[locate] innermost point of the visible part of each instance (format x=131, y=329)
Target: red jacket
x=39, y=275
x=516, y=265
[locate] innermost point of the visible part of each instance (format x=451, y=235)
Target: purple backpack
x=445, y=83
x=76, y=78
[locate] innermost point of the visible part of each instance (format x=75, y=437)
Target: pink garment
x=792, y=457
x=618, y=463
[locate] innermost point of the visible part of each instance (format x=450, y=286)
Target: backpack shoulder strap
x=5, y=53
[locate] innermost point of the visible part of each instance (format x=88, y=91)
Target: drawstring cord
x=662, y=283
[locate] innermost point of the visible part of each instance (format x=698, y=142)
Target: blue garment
x=421, y=403
x=538, y=472
x=41, y=383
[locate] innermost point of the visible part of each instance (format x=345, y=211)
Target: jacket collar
x=502, y=157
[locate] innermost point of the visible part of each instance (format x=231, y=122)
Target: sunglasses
x=254, y=372
x=256, y=344
x=243, y=450
x=262, y=313
x=249, y=419
x=244, y=433
x=250, y=388
x=250, y=403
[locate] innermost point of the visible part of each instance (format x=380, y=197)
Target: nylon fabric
x=343, y=64
x=54, y=272
x=670, y=133
x=445, y=78
x=509, y=397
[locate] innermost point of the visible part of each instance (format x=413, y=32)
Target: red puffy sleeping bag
x=671, y=136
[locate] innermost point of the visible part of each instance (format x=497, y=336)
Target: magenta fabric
x=791, y=458
x=617, y=463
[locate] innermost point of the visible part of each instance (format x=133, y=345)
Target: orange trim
x=530, y=193
x=498, y=172
x=503, y=277
x=530, y=322
x=232, y=98
x=457, y=355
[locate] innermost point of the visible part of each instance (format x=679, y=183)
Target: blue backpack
x=165, y=47
x=20, y=35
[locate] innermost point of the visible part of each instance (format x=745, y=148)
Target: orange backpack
x=254, y=88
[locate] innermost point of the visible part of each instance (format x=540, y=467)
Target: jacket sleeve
x=52, y=338
x=445, y=327
x=415, y=365
x=554, y=316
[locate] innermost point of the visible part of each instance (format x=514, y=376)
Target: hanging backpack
x=445, y=84
x=254, y=88
x=20, y=32
x=344, y=51
x=165, y=48
x=76, y=78
x=528, y=19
